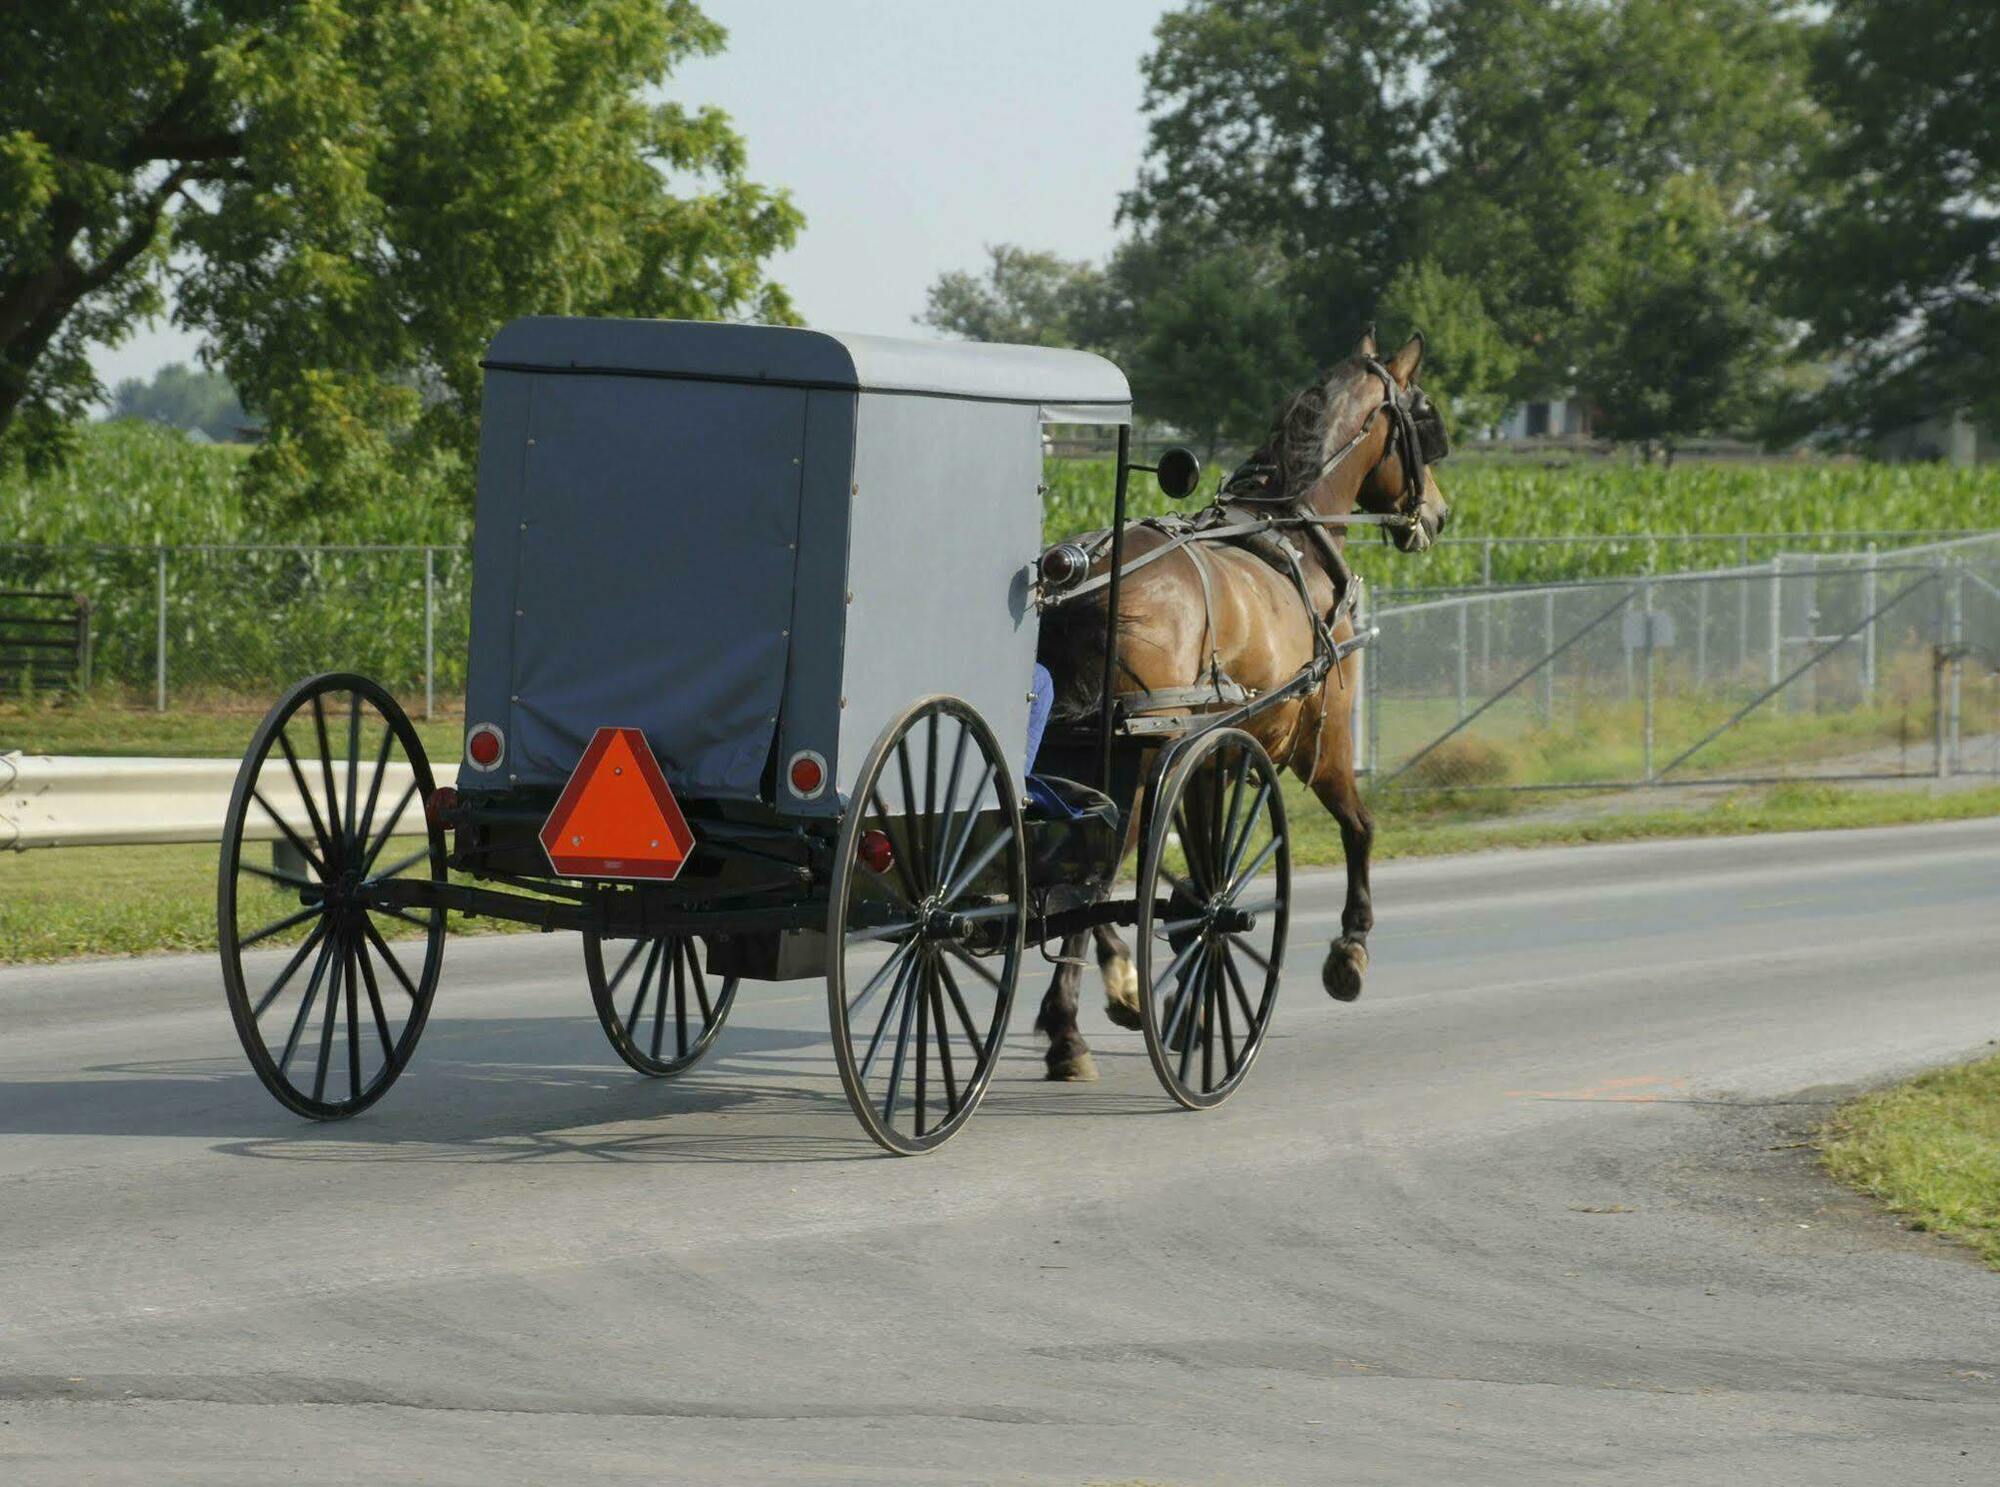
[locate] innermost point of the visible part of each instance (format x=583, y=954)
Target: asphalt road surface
x=1533, y=1210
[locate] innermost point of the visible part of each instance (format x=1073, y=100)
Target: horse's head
x=1362, y=436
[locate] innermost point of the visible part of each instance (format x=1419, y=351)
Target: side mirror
x=1178, y=472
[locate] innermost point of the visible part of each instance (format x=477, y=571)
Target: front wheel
x=1215, y=893
x=333, y=774
x=928, y=913
x=659, y=1008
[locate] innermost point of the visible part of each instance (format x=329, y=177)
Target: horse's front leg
x=1068, y=1056
x=1334, y=784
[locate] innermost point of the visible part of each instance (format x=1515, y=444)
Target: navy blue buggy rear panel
x=635, y=567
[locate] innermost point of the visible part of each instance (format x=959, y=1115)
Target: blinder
x=1429, y=424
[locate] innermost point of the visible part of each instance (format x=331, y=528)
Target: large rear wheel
x=336, y=782
x=926, y=925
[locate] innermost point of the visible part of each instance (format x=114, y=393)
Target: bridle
x=1416, y=437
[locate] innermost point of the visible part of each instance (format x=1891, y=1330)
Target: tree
x=1473, y=364
x=1897, y=268
x=182, y=399
x=1026, y=297
x=1677, y=340
x=1219, y=347
x=356, y=194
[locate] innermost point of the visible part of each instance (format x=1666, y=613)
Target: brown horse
x=1333, y=450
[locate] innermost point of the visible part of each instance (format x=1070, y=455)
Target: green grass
x=217, y=729
x=70, y=902
x=1930, y=1150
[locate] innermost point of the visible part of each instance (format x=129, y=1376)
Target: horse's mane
x=1293, y=454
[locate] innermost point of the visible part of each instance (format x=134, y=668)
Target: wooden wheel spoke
x=306, y=1005
x=326, y=771
x=645, y=984
x=968, y=874
x=422, y=854
x=956, y=852
x=1225, y=836
x=353, y=1022
x=882, y=974
x=388, y=958
x=327, y=844
x=1241, y=842
x=913, y=823
x=1207, y=1025
x=946, y=825
x=1249, y=874
x=1184, y=1024
x=638, y=948
x=298, y=843
x=388, y=828
x=353, y=768
x=944, y=1043
x=923, y=1001
x=972, y=1033
x=896, y=990
x=1227, y=969
x=279, y=926
x=375, y=783
x=929, y=848
x=680, y=997
x=1242, y=997
x=326, y=1025
x=912, y=893
x=375, y=1006
x=700, y=988
x=275, y=875
x=1251, y=954
x=1176, y=964
x=1191, y=849
x=910, y=1002
x=291, y=966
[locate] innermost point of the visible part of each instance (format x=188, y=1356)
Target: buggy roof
x=1067, y=386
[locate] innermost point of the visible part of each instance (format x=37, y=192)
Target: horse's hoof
x=1078, y=1068
x=1121, y=993
x=1341, y=975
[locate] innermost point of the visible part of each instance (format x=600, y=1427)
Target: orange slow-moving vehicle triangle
x=617, y=818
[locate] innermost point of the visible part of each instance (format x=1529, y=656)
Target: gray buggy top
x=731, y=536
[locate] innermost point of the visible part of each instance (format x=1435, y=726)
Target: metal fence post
x=430, y=635
x=1777, y=616
x=1701, y=635
x=1742, y=606
x=1957, y=655
x=1486, y=617
x=1548, y=655
x=160, y=630
x=1938, y=652
x=1357, y=707
x=1868, y=635
x=1646, y=597
x=1463, y=604
x=1371, y=684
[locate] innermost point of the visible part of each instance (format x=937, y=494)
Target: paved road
x=1528, y=1212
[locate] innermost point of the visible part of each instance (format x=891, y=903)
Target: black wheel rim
x=923, y=957
x=659, y=1007
x=329, y=1026
x=1214, y=905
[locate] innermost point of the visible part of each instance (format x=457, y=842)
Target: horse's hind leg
x=1068, y=1056
x=1121, y=981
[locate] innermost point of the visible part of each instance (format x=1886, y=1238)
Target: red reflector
x=617, y=818
x=443, y=801
x=875, y=851
x=807, y=774
x=482, y=746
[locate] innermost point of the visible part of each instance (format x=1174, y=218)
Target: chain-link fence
x=186, y=625
x=1848, y=666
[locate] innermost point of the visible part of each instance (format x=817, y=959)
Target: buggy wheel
x=928, y=874
x=652, y=1036
x=332, y=772
x=1215, y=892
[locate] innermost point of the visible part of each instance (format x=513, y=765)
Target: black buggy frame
x=950, y=889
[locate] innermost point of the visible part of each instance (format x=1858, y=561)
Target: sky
x=912, y=133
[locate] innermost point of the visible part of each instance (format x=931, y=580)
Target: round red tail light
x=807, y=774
x=876, y=852
x=484, y=746
x=443, y=801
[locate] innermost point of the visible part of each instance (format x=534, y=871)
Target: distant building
x=1952, y=437
x=1563, y=416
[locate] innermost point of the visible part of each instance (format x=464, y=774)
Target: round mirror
x=1179, y=472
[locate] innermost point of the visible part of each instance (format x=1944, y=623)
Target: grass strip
x=1929, y=1149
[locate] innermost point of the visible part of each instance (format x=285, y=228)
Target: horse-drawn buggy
x=756, y=615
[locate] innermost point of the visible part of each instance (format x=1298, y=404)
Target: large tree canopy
x=1899, y=271
x=350, y=196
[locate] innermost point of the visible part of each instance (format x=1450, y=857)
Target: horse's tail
x=1072, y=647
